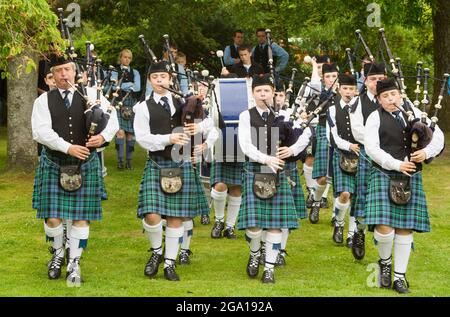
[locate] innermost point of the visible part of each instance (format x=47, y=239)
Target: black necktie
x=165, y=103
x=399, y=119
x=346, y=108
x=66, y=98
x=265, y=115
x=261, y=47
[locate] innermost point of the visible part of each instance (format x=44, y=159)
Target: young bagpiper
x=169, y=185
x=321, y=156
x=396, y=204
x=345, y=155
x=361, y=108
x=58, y=122
x=267, y=201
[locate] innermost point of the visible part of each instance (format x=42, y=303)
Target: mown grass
x=114, y=261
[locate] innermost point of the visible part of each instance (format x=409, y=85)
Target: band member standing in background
x=131, y=82
x=231, y=52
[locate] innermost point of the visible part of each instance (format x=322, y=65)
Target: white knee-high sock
x=340, y=209
x=325, y=192
x=56, y=235
x=284, y=238
x=273, y=246
x=78, y=241
x=187, y=235
x=402, y=251
x=318, y=191
x=174, y=237
x=254, y=240
x=351, y=226
x=307, y=172
x=384, y=243
x=154, y=235
x=232, y=211
x=219, y=199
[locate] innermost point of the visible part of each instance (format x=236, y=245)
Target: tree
x=27, y=29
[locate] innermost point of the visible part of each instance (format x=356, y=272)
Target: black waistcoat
x=393, y=138
x=343, y=126
x=162, y=123
x=233, y=51
x=261, y=128
x=262, y=57
x=69, y=124
x=367, y=107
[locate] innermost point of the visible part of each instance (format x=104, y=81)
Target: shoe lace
x=359, y=238
x=385, y=268
x=56, y=262
x=254, y=260
x=154, y=259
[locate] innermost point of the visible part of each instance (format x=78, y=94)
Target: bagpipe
x=421, y=131
x=96, y=118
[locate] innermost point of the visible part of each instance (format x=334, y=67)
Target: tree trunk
x=22, y=153
x=441, y=35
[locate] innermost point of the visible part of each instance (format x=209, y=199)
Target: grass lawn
x=114, y=262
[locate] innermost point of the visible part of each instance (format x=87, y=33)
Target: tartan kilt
x=189, y=202
x=51, y=201
x=203, y=205
x=226, y=173
x=342, y=182
x=277, y=212
x=321, y=153
x=362, y=179
x=297, y=192
x=381, y=211
x=127, y=125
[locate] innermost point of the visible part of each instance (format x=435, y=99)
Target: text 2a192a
x=245, y=306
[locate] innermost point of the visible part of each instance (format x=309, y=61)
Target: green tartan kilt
x=321, y=154
x=189, y=202
x=51, y=201
x=342, y=181
x=381, y=211
x=127, y=125
x=362, y=179
x=230, y=174
x=297, y=192
x=277, y=212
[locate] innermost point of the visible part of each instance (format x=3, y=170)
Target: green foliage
x=28, y=27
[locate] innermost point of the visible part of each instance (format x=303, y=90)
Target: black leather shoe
x=253, y=265
x=401, y=286
x=268, y=277
x=324, y=203
x=54, y=266
x=205, y=220
x=151, y=268
x=349, y=242
x=359, y=245
x=120, y=165
x=338, y=234
x=217, y=229
x=385, y=278
x=128, y=165
x=310, y=199
x=229, y=233
x=314, y=213
x=281, y=261
x=170, y=274
x=184, y=257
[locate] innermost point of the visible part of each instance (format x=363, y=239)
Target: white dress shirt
x=384, y=159
x=340, y=142
x=157, y=142
x=250, y=150
x=41, y=121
